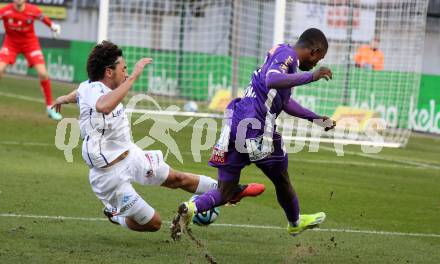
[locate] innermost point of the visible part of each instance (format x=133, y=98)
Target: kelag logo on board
x=424, y=119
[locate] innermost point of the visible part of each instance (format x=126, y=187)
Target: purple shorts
x=230, y=164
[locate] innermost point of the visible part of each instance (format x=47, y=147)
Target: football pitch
x=381, y=208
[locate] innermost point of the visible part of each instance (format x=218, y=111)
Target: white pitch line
x=22, y=97
x=54, y=217
x=370, y=232
x=377, y=157
x=27, y=143
x=29, y=98
x=354, y=163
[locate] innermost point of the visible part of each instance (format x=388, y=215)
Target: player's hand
x=58, y=102
x=139, y=67
x=322, y=72
x=56, y=29
x=326, y=122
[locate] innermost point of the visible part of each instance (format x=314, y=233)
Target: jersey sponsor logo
x=218, y=156
x=130, y=204
x=249, y=92
x=126, y=198
x=289, y=60
x=285, y=66
x=258, y=148
x=118, y=112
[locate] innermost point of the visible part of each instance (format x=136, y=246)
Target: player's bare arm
x=56, y=28
x=65, y=99
x=109, y=101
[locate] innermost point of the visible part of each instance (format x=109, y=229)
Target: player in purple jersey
x=248, y=135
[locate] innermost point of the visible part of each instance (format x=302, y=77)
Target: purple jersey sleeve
x=293, y=108
x=276, y=80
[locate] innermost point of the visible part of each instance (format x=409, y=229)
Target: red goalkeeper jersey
x=19, y=26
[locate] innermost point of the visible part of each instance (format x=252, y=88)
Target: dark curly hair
x=103, y=55
x=313, y=38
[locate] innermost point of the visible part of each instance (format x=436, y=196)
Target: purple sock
x=290, y=207
x=208, y=200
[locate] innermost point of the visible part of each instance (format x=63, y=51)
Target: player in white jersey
x=114, y=160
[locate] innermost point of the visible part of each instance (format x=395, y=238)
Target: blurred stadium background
x=382, y=208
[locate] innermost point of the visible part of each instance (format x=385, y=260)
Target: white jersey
x=105, y=137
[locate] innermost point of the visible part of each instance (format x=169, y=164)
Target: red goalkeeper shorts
x=32, y=53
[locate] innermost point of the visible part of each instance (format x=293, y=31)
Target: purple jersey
x=251, y=128
x=258, y=99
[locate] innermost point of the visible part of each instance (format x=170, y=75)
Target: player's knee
x=43, y=76
x=154, y=225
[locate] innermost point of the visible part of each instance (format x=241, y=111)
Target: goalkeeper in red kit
x=18, y=19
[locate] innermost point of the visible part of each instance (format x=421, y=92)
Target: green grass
x=356, y=192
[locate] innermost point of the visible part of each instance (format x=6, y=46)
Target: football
x=190, y=106
x=205, y=218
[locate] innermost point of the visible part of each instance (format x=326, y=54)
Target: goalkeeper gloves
x=56, y=29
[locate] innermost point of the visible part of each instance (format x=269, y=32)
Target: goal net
x=205, y=51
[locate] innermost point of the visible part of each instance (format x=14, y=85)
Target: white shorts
x=113, y=185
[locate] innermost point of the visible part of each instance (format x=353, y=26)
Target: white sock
x=205, y=184
x=294, y=224
x=120, y=220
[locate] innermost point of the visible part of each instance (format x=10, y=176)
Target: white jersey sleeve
x=105, y=137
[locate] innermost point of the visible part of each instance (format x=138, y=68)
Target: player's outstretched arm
x=293, y=108
x=109, y=101
x=65, y=99
x=56, y=28
x=278, y=80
